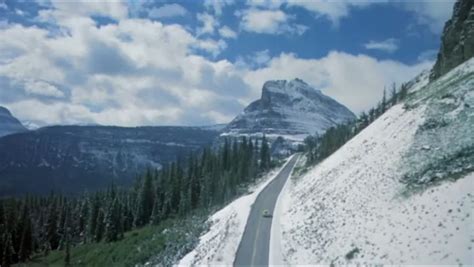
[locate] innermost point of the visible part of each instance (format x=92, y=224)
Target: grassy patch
x=137, y=246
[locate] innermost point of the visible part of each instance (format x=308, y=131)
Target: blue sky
x=201, y=62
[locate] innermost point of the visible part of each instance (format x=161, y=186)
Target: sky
x=143, y=62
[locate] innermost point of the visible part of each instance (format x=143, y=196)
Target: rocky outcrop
x=291, y=109
x=457, y=41
x=9, y=124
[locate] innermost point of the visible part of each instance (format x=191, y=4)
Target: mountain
x=400, y=192
x=76, y=158
x=292, y=109
x=457, y=41
x=9, y=124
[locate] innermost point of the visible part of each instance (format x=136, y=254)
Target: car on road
x=266, y=214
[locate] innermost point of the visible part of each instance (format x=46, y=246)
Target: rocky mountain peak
x=8, y=123
x=457, y=41
x=289, y=108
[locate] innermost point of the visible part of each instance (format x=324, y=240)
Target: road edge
x=274, y=253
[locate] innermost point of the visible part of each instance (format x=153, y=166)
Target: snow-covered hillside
x=400, y=192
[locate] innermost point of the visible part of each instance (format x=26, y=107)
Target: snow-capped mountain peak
x=290, y=109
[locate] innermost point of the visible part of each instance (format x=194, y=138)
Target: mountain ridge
x=290, y=109
x=9, y=124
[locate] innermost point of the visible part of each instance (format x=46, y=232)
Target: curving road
x=254, y=246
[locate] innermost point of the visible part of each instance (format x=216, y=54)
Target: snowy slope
x=400, y=192
x=219, y=245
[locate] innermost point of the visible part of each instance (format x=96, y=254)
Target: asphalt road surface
x=254, y=246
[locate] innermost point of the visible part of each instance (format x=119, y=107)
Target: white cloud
x=211, y=46
x=3, y=5
x=217, y=5
x=269, y=22
x=428, y=55
x=431, y=13
x=388, y=45
x=42, y=88
x=112, y=8
x=209, y=24
x=140, y=72
x=135, y=72
x=254, y=60
x=227, y=32
x=167, y=11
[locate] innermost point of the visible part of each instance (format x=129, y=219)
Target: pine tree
x=93, y=203
x=8, y=251
x=52, y=226
x=145, y=201
x=403, y=92
x=384, y=102
x=112, y=221
x=67, y=239
x=394, y=96
x=26, y=245
x=99, y=230
x=264, y=155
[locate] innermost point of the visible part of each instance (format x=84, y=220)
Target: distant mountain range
x=77, y=158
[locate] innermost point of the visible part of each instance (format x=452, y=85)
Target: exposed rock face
x=9, y=124
x=291, y=109
x=457, y=41
x=77, y=158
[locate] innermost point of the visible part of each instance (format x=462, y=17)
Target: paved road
x=254, y=246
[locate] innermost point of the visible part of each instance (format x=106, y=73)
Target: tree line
x=40, y=224
x=319, y=147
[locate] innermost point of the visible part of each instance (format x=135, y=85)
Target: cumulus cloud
x=133, y=72
x=388, y=45
x=216, y=6
x=211, y=46
x=114, y=8
x=167, y=11
x=254, y=60
x=141, y=72
x=42, y=88
x=227, y=32
x=269, y=22
x=209, y=24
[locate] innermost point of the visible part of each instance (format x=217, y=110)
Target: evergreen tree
x=8, y=251
x=265, y=157
x=26, y=245
x=384, y=102
x=99, y=230
x=394, y=96
x=145, y=201
x=112, y=221
x=403, y=91
x=52, y=226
